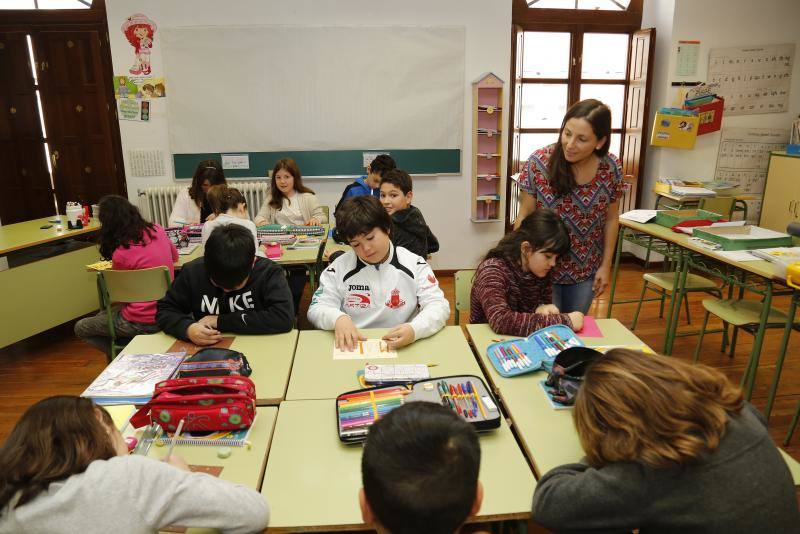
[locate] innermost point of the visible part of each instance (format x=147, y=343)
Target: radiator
x=156, y=202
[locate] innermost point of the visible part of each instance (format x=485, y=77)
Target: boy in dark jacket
x=410, y=230
x=369, y=184
x=228, y=290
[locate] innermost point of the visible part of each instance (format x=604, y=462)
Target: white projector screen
x=271, y=88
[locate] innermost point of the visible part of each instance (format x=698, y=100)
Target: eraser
x=224, y=452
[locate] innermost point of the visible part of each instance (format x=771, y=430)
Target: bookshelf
x=487, y=142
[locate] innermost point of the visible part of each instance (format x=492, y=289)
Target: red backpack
x=204, y=403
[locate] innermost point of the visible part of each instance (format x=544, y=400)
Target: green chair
x=327, y=211
x=722, y=205
x=661, y=283
x=742, y=314
x=463, y=286
x=792, y=426
x=140, y=285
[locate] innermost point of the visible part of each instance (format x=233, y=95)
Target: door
x=24, y=177
x=78, y=114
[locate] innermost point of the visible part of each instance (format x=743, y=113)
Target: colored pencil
x=175, y=436
x=480, y=401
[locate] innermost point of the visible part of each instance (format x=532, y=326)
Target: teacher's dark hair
x=598, y=115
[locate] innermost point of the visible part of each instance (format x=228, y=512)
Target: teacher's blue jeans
x=574, y=297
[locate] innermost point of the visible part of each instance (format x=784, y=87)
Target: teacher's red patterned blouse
x=583, y=210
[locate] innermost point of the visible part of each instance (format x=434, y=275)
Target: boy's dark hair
x=359, y=215
x=382, y=164
x=420, y=469
x=543, y=229
x=400, y=179
x=229, y=254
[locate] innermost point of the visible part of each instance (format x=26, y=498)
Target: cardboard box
x=710, y=115
x=674, y=131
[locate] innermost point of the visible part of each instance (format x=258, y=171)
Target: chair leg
x=639, y=306
x=792, y=426
x=458, y=322
x=647, y=257
x=700, y=338
x=733, y=340
x=724, y=337
x=686, y=303
x=661, y=310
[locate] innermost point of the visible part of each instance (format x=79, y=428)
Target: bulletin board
x=322, y=90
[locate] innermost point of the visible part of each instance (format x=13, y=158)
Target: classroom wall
x=444, y=200
x=716, y=24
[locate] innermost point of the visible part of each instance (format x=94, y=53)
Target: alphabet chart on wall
x=743, y=159
x=753, y=79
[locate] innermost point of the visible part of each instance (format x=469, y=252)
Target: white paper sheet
x=640, y=216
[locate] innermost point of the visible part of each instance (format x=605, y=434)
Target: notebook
x=221, y=438
x=131, y=378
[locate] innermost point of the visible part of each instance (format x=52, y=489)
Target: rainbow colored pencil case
x=514, y=357
x=467, y=395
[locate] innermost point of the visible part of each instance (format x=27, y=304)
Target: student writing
x=229, y=207
x=65, y=468
x=376, y=284
x=229, y=289
x=191, y=206
x=512, y=288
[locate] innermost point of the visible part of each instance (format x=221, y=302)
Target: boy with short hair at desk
x=420, y=471
x=410, y=229
x=230, y=289
x=375, y=284
x=369, y=184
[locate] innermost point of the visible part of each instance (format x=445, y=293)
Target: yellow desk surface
x=761, y=268
x=29, y=233
x=316, y=375
x=312, y=479
x=548, y=436
x=270, y=358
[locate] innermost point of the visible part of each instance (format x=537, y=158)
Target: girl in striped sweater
x=512, y=289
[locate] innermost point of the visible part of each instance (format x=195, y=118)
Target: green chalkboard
x=328, y=162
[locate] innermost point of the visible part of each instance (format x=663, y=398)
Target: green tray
x=670, y=218
x=730, y=237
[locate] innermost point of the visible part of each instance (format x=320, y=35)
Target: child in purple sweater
x=512, y=289
x=130, y=243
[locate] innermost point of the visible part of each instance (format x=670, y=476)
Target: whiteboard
x=271, y=88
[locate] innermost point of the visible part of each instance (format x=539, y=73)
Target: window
x=46, y=4
x=603, y=5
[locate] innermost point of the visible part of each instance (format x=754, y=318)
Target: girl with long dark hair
x=191, y=205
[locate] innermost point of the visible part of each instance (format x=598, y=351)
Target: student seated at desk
x=410, y=230
x=65, y=468
x=369, y=184
x=419, y=470
x=191, y=205
x=670, y=447
x=289, y=201
x=375, y=284
x=229, y=207
x=130, y=243
x=512, y=289
x=229, y=289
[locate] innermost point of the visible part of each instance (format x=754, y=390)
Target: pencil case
x=467, y=395
x=514, y=357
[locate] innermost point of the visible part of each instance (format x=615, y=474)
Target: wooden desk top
x=760, y=268
x=312, y=479
x=316, y=375
x=548, y=436
x=270, y=358
x=29, y=233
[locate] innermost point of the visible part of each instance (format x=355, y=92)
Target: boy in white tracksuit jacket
x=376, y=285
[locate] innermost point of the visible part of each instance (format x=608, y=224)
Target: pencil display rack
x=487, y=142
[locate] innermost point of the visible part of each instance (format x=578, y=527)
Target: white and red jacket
x=402, y=289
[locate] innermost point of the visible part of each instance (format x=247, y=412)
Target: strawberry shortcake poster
x=140, y=31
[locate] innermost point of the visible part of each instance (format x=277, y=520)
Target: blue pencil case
x=514, y=357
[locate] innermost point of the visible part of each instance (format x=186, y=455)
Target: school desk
x=43, y=277
x=244, y=466
x=270, y=358
x=758, y=277
x=547, y=435
x=316, y=375
x=312, y=479
x=678, y=202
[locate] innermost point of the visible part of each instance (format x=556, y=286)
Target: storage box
x=710, y=114
x=743, y=237
x=670, y=218
x=674, y=130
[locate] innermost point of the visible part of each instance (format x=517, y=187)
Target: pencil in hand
x=175, y=436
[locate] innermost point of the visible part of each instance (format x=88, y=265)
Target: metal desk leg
x=678, y=285
x=615, y=270
x=749, y=378
x=787, y=331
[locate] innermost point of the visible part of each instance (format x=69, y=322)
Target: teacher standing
x=578, y=179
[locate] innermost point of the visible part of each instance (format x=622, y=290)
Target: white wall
x=445, y=201
x=716, y=24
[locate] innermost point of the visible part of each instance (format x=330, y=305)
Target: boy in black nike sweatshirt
x=228, y=290
x=410, y=229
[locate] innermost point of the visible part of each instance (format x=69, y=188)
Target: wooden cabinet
x=781, y=201
x=487, y=148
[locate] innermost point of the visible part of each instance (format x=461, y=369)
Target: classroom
x=422, y=266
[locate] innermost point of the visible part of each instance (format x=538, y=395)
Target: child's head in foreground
x=420, y=471
x=366, y=226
